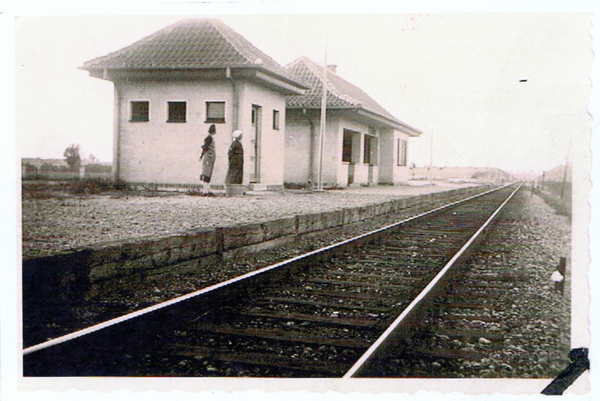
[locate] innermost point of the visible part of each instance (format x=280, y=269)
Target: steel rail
x=419, y=298
x=223, y=284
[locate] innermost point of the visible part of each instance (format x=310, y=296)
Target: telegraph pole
x=543, y=179
x=562, y=190
x=323, y=120
x=431, y=158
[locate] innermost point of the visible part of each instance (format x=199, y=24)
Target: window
x=215, y=112
x=347, y=147
x=370, y=150
x=367, y=150
x=275, y=119
x=177, y=111
x=402, y=152
x=140, y=111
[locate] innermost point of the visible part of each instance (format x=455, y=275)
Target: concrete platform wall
x=68, y=275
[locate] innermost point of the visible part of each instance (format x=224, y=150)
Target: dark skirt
x=235, y=173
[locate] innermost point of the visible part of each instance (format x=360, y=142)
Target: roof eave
x=272, y=81
x=399, y=125
x=290, y=86
x=318, y=107
x=141, y=74
x=413, y=132
x=290, y=80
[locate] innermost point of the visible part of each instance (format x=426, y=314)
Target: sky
x=457, y=77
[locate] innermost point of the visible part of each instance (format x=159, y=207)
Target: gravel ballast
x=522, y=320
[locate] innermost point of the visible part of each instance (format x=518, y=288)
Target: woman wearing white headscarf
x=235, y=173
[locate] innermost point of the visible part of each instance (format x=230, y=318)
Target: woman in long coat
x=235, y=173
x=208, y=159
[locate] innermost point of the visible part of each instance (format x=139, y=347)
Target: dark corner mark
x=579, y=364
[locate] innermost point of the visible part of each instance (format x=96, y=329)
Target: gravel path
x=56, y=220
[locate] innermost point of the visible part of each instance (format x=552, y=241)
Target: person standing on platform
x=208, y=160
x=235, y=173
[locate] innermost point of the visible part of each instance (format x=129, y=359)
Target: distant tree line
x=73, y=160
x=46, y=167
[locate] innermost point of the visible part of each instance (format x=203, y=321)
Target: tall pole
x=431, y=158
x=323, y=120
x=543, y=179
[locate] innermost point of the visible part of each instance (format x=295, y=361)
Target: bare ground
x=55, y=219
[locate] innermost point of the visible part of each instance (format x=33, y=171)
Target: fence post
x=559, y=276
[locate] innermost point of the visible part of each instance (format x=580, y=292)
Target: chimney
x=332, y=67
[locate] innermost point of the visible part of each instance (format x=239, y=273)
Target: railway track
x=490, y=319
x=330, y=313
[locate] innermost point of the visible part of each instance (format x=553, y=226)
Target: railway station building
x=169, y=88
x=362, y=142
x=172, y=85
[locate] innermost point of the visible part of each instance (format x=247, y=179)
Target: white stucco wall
x=342, y=174
x=335, y=172
x=332, y=151
x=297, y=151
x=386, y=156
x=160, y=152
x=389, y=171
x=401, y=173
x=272, y=141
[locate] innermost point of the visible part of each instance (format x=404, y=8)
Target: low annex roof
x=341, y=94
x=191, y=44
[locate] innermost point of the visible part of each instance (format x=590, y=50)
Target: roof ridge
x=293, y=63
x=243, y=46
x=193, y=43
x=225, y=35
x=318, y=71
x=357, y=102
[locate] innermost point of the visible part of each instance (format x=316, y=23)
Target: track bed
x=313, y=316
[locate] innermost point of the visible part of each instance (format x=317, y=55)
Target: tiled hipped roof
x=340, y=93
x=190, y=44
